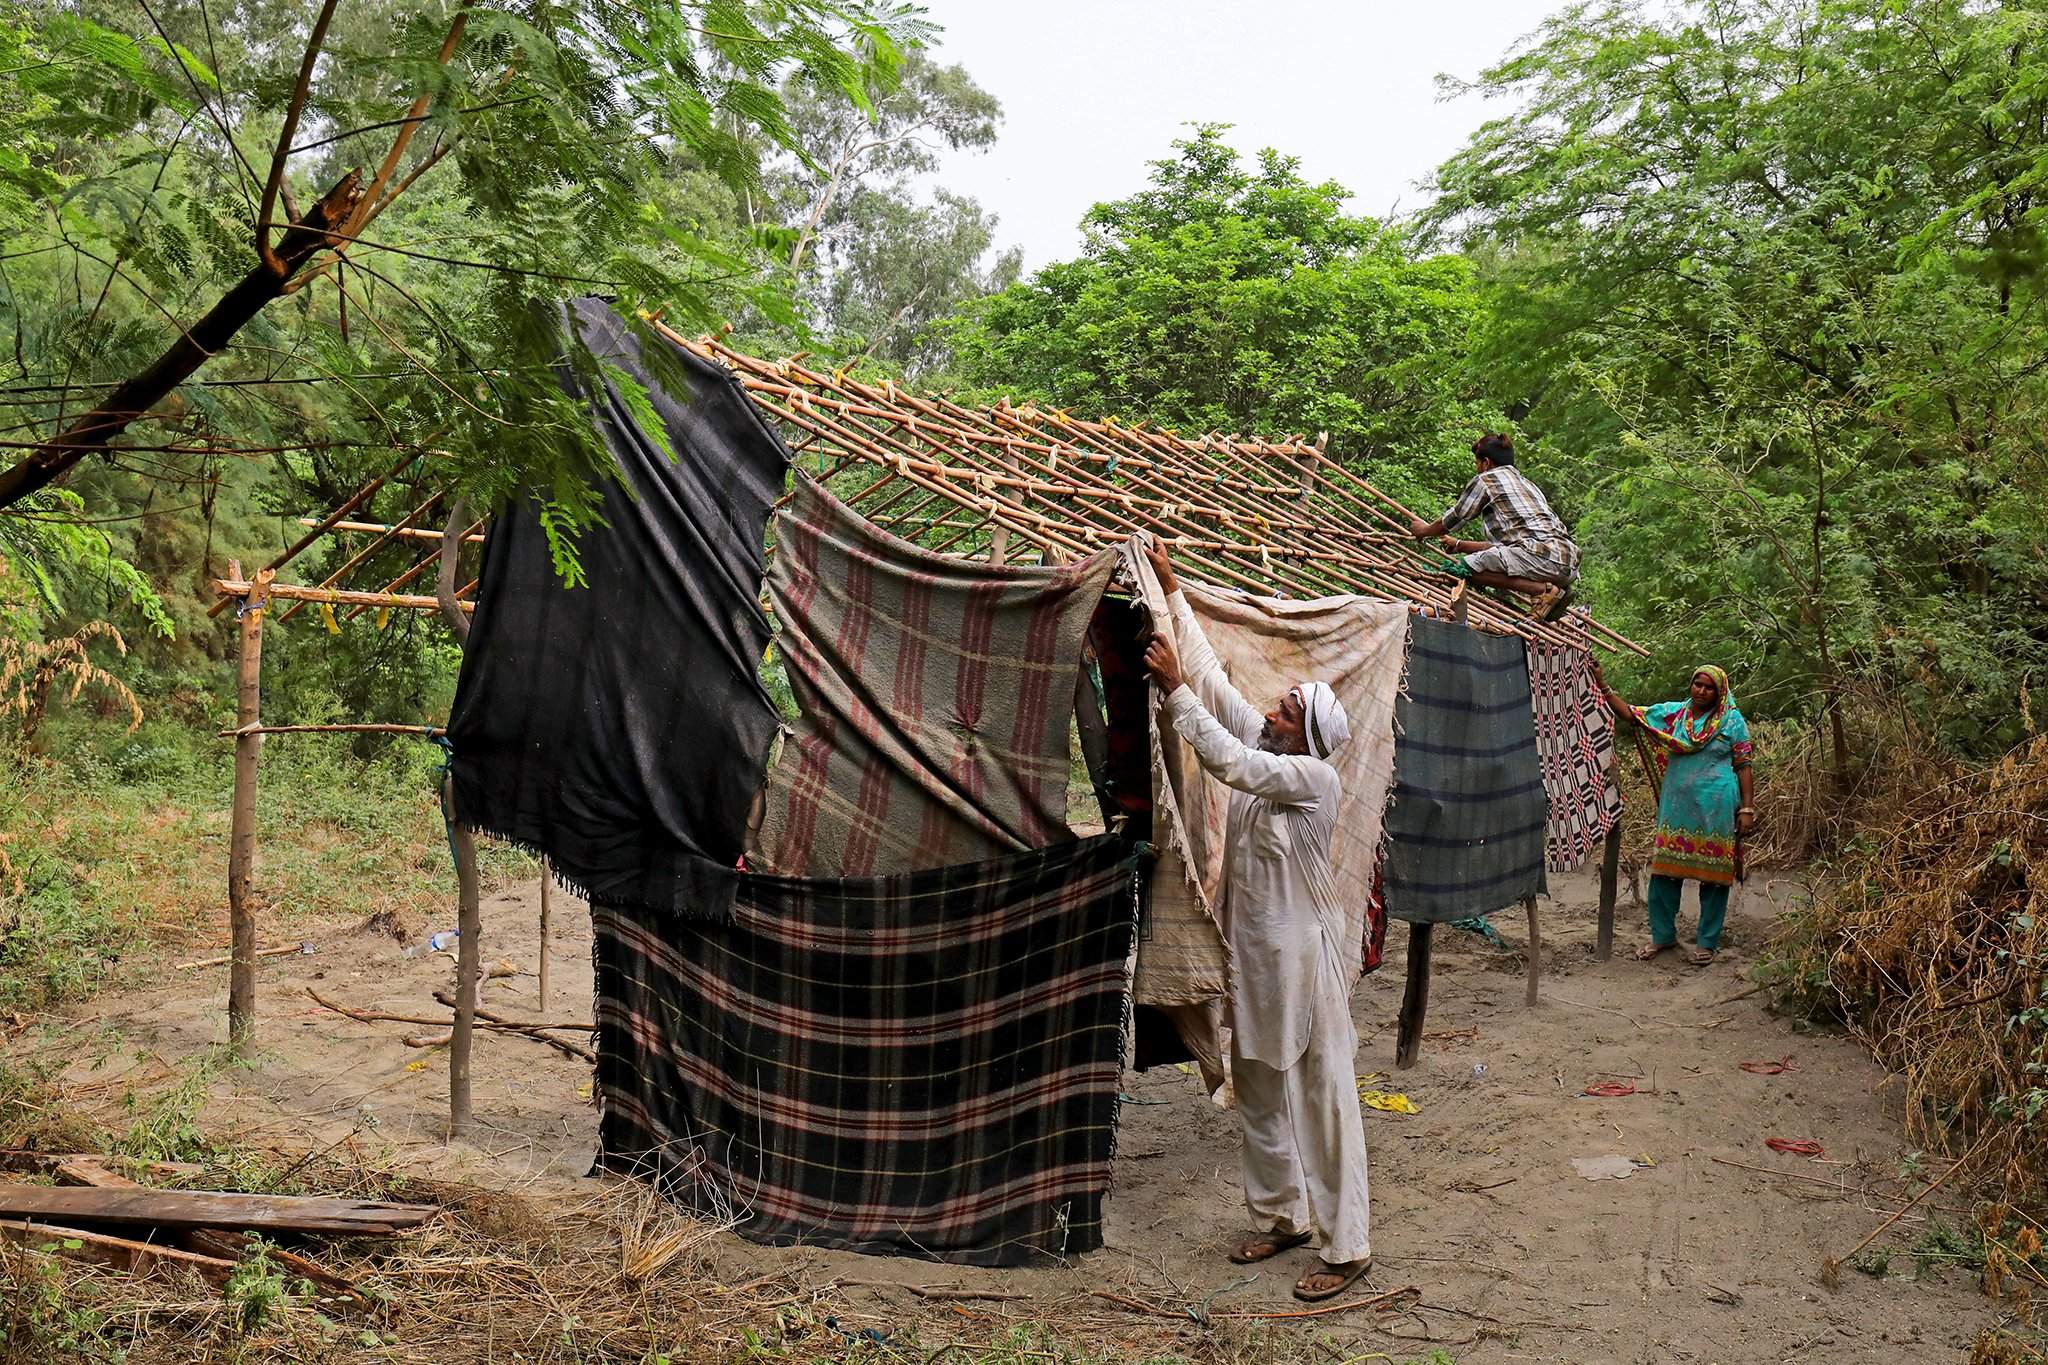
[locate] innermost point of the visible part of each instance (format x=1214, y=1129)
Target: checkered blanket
x=923, y=1065
x=1575, y=744
x=935, y=692
x=1465, y=830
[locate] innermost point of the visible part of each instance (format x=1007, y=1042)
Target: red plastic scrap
x=1608, y=1090
x=1777, y=1068
x=1794, y=1146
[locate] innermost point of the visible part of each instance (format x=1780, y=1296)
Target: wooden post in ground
x=468, y=963
x=242, y=815
x=547, y=880
x=1414, y=1000
x=1535, y=952
x=1610, y=882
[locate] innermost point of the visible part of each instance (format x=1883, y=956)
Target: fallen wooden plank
x=183, y=1210
x=138, y=1258
x=17, y=1161
x=229, y=1246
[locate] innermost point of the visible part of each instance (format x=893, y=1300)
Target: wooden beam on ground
x=1415, y=999
x=1610, y=883
x=100, y=1248
x=186, y=1210
x=242, y=815
x=1531, y=992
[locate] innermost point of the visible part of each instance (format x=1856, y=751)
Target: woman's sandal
x=1700, y=957
x=1346, y=1276
x=1650, y=950
x=1273, y=1243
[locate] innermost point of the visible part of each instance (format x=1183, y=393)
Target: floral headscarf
x=1685, y=731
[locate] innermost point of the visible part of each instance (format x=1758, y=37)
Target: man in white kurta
x=1292, y=1041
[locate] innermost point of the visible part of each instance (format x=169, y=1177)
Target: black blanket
x=621, y=727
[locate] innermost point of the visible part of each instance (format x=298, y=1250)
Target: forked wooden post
x=468, y=964
x=1610, y=883
x=1414, y=1000
x=1535, y=952
x=242, y=814
x=547, y=880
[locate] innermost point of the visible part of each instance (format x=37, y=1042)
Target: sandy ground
x=1476, y=1201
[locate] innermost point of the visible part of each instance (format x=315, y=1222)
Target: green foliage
x=1235, y=299
x=1767, y=276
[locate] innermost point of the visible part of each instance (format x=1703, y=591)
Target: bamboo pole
x=298, y=547
x=242, y=811
x=348, y=565
x=468, y=962
x=234, y=587
x=353, y=728
x=547, y=881
x=1415, y=998
x=1610, y=882
x=433, y=558
x=1535, y=974
x=408, y=532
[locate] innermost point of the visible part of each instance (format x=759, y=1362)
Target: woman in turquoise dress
x=1704, y=809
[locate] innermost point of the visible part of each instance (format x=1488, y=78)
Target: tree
x=430, y=180
x=876, y=258
x=1772, y=269
x=1235, y=299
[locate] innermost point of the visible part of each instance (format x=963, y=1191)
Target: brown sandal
x=1650, y=950
x=1700, y=957
x=1346, y=1277
x=1274, y=1242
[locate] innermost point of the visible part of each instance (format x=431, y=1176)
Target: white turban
x=1322, y=717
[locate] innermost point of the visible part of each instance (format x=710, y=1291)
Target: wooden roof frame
x=1270, y=517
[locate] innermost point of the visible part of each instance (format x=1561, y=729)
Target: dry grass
x=614, y=1275
x=1931, y=939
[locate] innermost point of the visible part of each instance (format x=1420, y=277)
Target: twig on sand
x=1731, y=999
x=1831, y=1266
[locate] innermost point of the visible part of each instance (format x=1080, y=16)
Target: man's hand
x=1163, y=663
x=1419, y=528
x=1162, y=567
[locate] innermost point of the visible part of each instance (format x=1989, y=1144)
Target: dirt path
x=1476, y=1201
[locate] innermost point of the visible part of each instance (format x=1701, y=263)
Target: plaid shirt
x=1514, y=510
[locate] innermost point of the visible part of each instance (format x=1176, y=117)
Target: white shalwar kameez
x=1292, y=1040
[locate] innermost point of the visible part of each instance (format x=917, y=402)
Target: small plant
x=258, y=1291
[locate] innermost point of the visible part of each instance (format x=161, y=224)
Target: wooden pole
x=1415, y=1000
x=1610, y=881
x=1529, y=995
x=242, y=816
x=468, y=963
x=547, y=880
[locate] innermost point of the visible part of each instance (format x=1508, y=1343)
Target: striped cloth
x=935, y=693
x=922, y=1065
x=1575, y=744
x=1465, y=832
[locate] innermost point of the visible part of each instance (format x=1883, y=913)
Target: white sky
x=1092, y=90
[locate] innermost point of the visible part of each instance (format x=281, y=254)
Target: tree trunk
x=207, y=338
x=445, y=580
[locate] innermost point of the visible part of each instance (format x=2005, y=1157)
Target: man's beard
x=1269, y=743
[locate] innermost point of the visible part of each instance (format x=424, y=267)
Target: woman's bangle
x=1745, y=810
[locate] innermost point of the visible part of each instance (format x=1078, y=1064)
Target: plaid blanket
x=1266, y=645
x=924, y=1064
x=935, y=695
x=1465, y=830
x=1575, y=744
